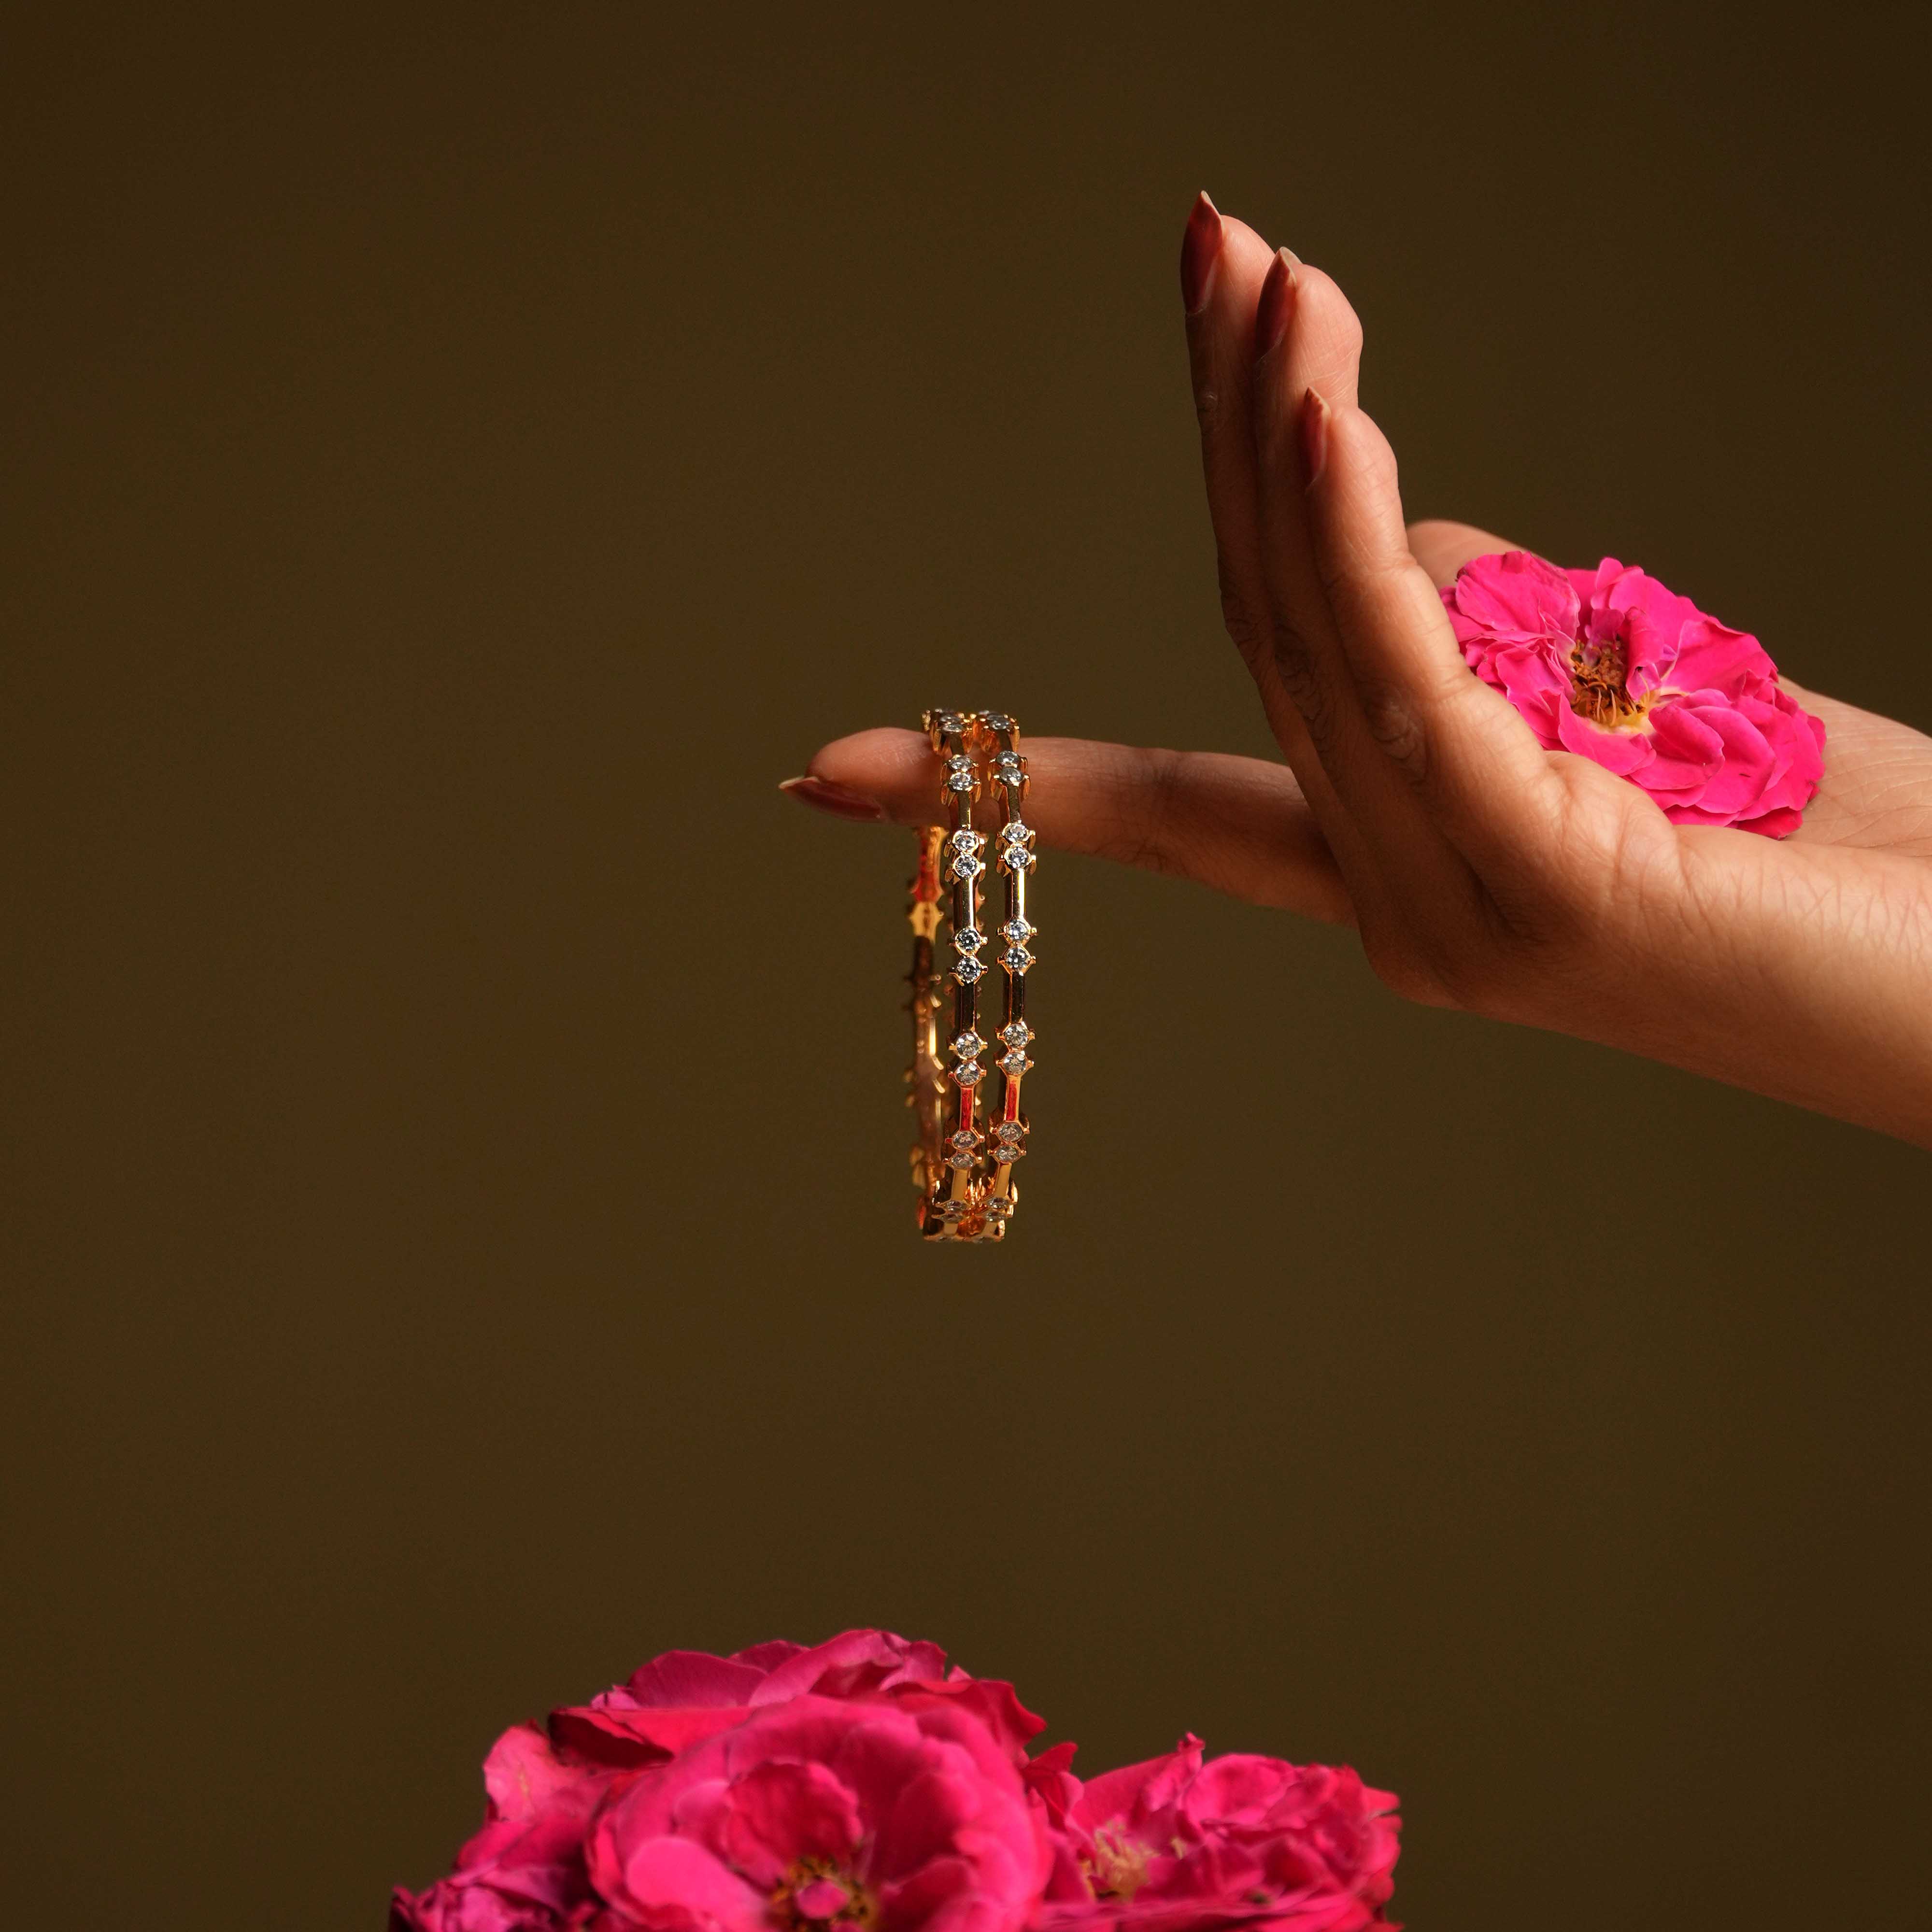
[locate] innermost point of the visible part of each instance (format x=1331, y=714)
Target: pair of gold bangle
x=963, y=1169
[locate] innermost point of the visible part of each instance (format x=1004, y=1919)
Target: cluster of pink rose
x=863, y=1786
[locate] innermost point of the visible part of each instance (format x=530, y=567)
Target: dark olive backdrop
x=458, y=1243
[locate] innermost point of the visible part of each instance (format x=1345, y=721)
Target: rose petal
x=526, y=1780
x=857, y=1662
x=1623, y=752
x=1135, y=1790
x=1518, y=592
x=1739, y=782
x=1710, y=656
x=623, y=1738
x=672, y=1884
x=992, y=1701
x=1688, y=749
x=777, y=1814
x=694, y=1677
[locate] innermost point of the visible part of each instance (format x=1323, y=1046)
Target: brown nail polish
x=1314, y=428
x=838, y=800
x=1276, y=305
x=1200, y=251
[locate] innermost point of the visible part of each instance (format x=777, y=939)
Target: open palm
x=1482, y=872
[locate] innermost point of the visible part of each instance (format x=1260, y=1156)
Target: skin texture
x=1482, y=872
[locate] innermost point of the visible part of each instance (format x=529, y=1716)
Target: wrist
x=1805, y=975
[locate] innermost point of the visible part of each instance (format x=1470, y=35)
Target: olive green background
x=458, y=1243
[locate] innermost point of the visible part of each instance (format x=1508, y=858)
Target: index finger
x=1238, y=825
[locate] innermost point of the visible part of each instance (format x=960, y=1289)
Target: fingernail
x=837, y=799
x=1200, y=251
x=1314, y=426
x=1276, y=304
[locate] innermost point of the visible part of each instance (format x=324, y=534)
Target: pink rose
x=1610, y=664
x=824, y=1814
x=1176, y=1845
x=685, y=1696
x=523, y=1872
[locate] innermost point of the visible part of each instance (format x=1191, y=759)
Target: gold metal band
x=963, y=1169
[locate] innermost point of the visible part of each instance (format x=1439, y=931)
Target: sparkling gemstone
x=999, y=1209
x=967, y=970
x=965, y=866
x=968, y=939
x=1014, y=1065
x=950, y=721
x=1018, y=857
x=967, y=1044
x=1016, y=832
x=1015, y=1035
x=969, y=1073
x=959, y=774
x=996, y=720
x=952, y=1210
x=1009, y=769
x=1016, y=959
x=962, y=1158
x=966, y=840
x=964, y=1138
x=1007, y=1152
x=1017, y=932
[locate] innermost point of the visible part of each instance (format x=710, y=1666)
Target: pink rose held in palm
x=1609, y=664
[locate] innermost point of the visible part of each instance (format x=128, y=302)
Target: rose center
x=1598, y=689
x=1117, y=1867
x=816, y=1892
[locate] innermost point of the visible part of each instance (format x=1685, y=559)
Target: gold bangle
x=964, y=1175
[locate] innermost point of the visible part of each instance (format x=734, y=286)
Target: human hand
x=1483, y=872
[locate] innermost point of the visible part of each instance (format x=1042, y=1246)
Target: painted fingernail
x=1200, y=251
x=840, y=800
x=1276, y=305
x=1314, y=426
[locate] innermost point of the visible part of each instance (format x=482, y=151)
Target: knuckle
x=1294, y=660
x=1143, y=829
x=1298, y=670
x=1335, y=340
x=1237, y=615
x=1393, y=725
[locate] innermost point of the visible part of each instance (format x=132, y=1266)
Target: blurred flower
x=860, y=1785
x=1176, y=1843
x=524, y=1871
x=685, y=1696
x=826, y=1815
x=1611, y=665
